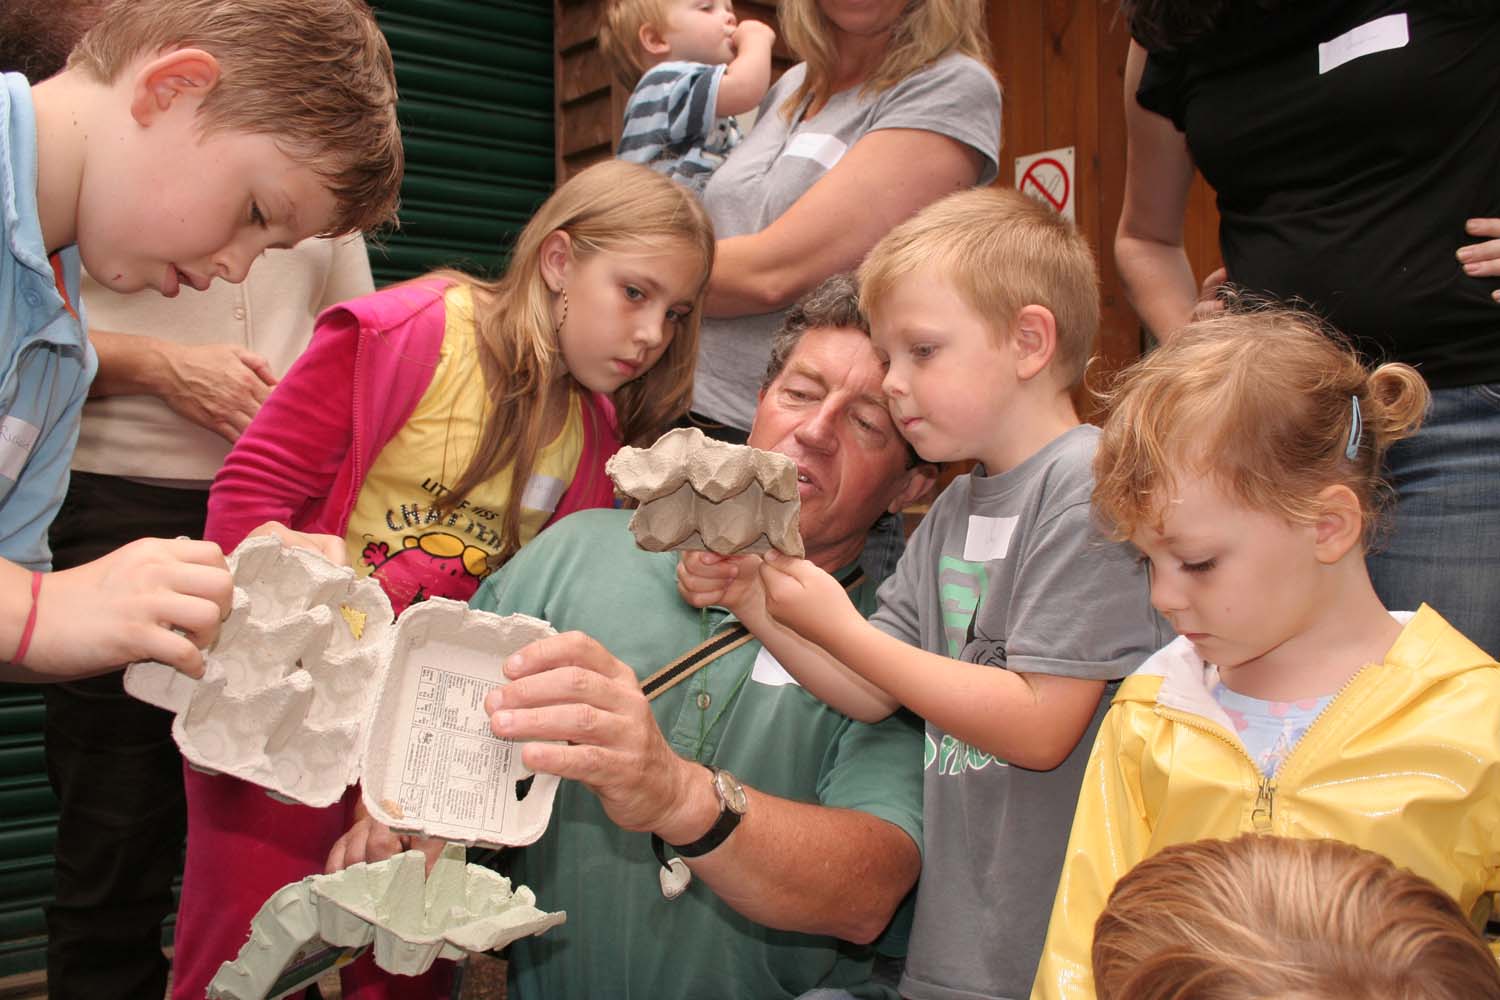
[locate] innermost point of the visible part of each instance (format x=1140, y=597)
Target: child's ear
x=1340, y=525
x=174, y=74
x=556, y=257
x=653, y=42
x=1035, y=335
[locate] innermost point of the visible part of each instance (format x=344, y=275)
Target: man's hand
x=806, y=599
x=568, y=687
x=371, y=840
x=1482, y=260
x=153, y=599
x=330, y=547
x=217, y=386
x=733, y=582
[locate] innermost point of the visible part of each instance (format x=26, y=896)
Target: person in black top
x=1352, y=145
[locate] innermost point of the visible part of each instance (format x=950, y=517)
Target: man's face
x=825, y=411
x=176, y=208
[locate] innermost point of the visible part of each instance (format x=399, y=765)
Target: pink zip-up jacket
x=304, y=457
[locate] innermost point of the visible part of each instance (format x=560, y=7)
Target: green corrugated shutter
x=476, y=116
x=28, y=816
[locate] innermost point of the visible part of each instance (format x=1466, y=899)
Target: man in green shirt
x=799, y=859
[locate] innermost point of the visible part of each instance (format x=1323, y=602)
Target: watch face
x=730, y=791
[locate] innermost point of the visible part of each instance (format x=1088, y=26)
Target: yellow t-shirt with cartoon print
x=397, y=532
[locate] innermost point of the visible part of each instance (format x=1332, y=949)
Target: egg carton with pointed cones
x=698, y=493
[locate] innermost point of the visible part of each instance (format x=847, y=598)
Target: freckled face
x=174, y=207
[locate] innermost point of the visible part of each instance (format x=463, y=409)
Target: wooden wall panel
x=1061, y=65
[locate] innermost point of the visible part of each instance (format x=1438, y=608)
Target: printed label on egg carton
x=312, y=687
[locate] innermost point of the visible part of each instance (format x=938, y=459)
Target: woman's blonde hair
x=1274, y=917
x=612, y=207
x=926, y=31
x=1270, y=402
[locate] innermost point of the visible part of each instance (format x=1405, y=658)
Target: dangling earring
x=564, y=318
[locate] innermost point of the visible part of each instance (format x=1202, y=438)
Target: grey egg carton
x=410, y=917
x=310, y=687
x=698, y=493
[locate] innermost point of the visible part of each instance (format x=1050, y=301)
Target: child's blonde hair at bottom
x=1271, y=403
x=620, y=24
x=1285, y=918
x=1001, y=251
x=315, y=75
x=611, y=207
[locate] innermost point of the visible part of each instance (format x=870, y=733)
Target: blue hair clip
x=1356, y=429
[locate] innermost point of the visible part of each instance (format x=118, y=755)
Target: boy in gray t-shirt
x=1010, y=612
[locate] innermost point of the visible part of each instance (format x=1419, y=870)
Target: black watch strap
x=723, y=826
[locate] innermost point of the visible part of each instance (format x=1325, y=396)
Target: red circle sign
x=1046, y=182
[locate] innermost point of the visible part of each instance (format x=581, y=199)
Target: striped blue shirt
x=670, y=125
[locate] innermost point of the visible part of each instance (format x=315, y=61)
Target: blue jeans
x=1443, y=542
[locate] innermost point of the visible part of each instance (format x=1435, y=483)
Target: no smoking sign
x=1048, y=177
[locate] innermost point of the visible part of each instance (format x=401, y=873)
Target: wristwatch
x=732, y=805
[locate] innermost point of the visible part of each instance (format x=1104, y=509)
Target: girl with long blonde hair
x=435, y=427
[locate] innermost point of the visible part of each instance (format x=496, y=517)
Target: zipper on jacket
x=1266, y=792
x=1294, y=756
x=1265, y=806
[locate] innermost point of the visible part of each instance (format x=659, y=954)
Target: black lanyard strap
x=706, y=652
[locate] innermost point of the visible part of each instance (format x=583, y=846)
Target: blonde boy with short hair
x=1010, y=612
x=693, y=67
x=185, y=138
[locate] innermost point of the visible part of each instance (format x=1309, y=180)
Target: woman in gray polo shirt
x=894, y=107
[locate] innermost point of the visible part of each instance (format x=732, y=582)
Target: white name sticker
x=1379, y=35
x=769, y=671
x=988, y=538
x=826, y=149
x=543, y=493
x=17, y=438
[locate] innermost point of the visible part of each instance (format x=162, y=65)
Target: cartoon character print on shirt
x=436, y=564
x=962, y=586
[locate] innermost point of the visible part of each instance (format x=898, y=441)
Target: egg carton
x=698, y=493
x=311, y=687
x=410, y=917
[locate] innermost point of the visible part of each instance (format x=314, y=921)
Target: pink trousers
x=242, y=847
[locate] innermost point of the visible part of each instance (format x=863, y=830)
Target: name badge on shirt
x=826, y=149
x=988, y=537
x=769, y=671
x=1379, y=35
x=17, y=438
x=543, y=493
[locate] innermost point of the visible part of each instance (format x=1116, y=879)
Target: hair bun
x=1398, y=398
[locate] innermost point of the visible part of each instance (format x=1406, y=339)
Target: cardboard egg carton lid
x=411, y=918
x=310, y=687
x=698, y=493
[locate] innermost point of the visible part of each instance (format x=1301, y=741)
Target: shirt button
x=32, y=296
x=239, y=312
x=704, y=701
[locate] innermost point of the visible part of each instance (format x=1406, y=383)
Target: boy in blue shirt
x=178, y=145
